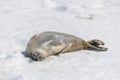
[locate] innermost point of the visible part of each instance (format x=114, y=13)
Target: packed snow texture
x=87, y=19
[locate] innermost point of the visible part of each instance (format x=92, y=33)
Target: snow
x=88, y=19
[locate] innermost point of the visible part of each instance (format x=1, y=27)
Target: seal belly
x=51, y=43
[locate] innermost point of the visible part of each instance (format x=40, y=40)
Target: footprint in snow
x=60, y=8
x=88, y=17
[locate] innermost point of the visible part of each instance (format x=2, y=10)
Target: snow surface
x=88, y=19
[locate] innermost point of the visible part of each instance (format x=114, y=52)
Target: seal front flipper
x=61, y=50
x=57, y=50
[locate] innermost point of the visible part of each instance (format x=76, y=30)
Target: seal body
x=46, y=44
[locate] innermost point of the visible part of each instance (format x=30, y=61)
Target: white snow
x=88, y=19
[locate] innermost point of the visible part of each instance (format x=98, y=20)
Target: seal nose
x=40, y=57
x=35, y=54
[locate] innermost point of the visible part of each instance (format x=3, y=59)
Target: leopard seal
x=46, y=44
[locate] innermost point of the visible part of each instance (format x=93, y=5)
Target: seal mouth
x=38, y=56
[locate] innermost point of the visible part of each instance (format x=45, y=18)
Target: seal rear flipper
x=91, y=47
x=102, y=48
x=96, y=42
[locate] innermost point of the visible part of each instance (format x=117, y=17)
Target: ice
x=87, y=19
